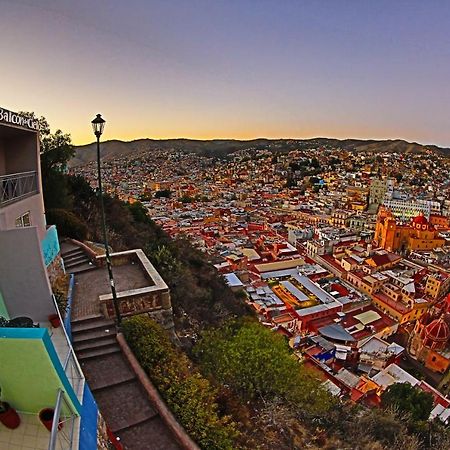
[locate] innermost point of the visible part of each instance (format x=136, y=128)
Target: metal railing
x=63, y=426
x=73, y=373
x=16, y=186
x=70, y=364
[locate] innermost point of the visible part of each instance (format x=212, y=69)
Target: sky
x=230, y=69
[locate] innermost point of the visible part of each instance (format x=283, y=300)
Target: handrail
x=55, y=424
x=70, y=355
x=16, y=174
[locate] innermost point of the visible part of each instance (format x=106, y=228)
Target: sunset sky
x=230, y=69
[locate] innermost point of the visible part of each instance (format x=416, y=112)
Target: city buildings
x=343, y=253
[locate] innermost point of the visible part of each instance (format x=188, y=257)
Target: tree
x=56, y=151
x=258, y=364
x=163, y=193
x=408, y=399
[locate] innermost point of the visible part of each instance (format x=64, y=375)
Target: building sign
x=18, y=120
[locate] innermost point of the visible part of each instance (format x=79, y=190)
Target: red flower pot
x=9, y=418
x=54, y=320
x=46, y=417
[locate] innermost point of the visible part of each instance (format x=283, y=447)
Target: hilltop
x=222, y=147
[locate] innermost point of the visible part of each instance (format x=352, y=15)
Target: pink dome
x=420, y=219
x=438, y=330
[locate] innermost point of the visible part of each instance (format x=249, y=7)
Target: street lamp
x=98, y=124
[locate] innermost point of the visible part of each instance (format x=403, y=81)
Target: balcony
x=17, y=186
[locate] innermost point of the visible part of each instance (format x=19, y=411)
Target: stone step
x=121, y=378
x=94, y=335
x=107, y=370
x=81, y=268
x=74, y=259
x=98, y=351
x=81, y=326
x=76, y=262
x=108, y=341
x=73, y=251
x=124, y=405
x=85, y=319
x=150, y=435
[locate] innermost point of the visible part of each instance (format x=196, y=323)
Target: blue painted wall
x=89, y=417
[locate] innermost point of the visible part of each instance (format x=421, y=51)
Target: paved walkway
x=123, y=402
x=93, y=283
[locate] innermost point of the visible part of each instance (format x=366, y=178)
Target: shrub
x=190, y=396
x=258, y=363
x=408, y=399
x=67, y=223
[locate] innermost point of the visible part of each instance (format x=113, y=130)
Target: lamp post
x=98, y=124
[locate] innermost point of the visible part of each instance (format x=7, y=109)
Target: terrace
x=139, y=287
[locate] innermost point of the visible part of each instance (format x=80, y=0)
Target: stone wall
x=153, y=299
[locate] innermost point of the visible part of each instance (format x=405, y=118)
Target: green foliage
x=56, y=150
x=139, y=212
x=408, y=399
x=257, y=363
x=67, y=223
x=190, y=396
x=163, y=193
x=186, y=199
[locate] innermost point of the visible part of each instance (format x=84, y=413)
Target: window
x=24, y=220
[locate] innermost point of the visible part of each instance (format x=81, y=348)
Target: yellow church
x=419, y=234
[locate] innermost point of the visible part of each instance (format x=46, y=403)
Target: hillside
x=222, y=147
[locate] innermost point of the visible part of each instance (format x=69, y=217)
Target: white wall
x=23, y=276
x=34, y=204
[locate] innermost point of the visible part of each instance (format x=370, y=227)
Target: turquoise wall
x=50, y=245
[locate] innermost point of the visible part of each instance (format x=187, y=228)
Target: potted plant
x=8, y=415
x=54, y=320
x=46, y=417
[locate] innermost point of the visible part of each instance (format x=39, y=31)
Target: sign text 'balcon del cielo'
x=18, y=120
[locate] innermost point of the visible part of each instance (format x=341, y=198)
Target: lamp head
x=98, y=124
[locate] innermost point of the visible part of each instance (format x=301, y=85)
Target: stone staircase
x=75, y=259
x=122, y=400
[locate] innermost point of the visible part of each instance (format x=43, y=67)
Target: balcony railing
x=63, y=428
x=70, y=363
x=16, y=186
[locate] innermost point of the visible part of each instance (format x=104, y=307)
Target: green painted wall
x=28, y=378
x=3, y=310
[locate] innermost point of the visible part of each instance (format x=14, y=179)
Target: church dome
x=438, y=330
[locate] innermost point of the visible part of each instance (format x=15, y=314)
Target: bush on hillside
x=67, y=223
x=258, y=364
x=189, y=396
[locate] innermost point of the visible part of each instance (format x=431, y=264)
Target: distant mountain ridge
x=221, y=147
